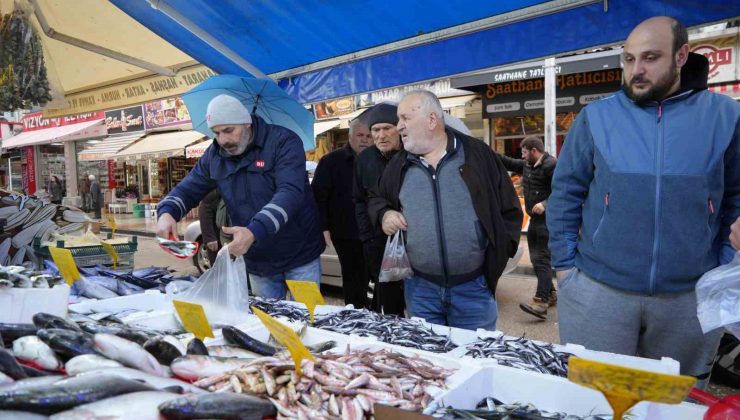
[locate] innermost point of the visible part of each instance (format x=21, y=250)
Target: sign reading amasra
x=527, y=97
x=124, y=120
x=134, y=92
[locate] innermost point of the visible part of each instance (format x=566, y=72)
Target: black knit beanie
x=381, y=113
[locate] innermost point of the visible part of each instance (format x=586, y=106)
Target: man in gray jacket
x=96, y=196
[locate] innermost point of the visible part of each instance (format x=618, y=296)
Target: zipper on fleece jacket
x=658, y=172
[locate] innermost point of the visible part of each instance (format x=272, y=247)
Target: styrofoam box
x=665, y=365
x=20, y=305
x=310, y=337
x=548, y=393
x=147, y=301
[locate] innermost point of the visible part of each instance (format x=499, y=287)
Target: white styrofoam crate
x=19, y=305
x=665, y=365
x=148, y=301
x=549, y=393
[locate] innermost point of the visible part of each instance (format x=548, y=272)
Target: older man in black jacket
x=536, y=168
x=332, y=188
x=451, y=195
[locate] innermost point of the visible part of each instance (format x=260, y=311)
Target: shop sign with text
x=333, y=109
x=124, y=120
x=165, y=113
x=134, y=92
x=527, y=97
x=37, y=121
x=722, y=56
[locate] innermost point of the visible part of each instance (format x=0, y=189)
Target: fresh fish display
x=88, y=362
x=10, y=332
x=142, y=405
x=163, y=350
x=31, y=383
x=336, y=385
x=388, y=329
x=23, y=277
x=67, y=343
x=32, y=349
x=128, y=353
x=67, y=393
x=196, y=346
x=155, y=381
x=279, y=308
x=10, y=367
x=239, y=338
x=521, y=353
x=192, y=367
x=218, y=406
x=493, y=409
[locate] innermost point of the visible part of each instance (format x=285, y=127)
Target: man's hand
x=166, y=226
x=243, y=240
x=327, y=238
x=563, y=274
x=538, y=208
x=393, y=221
x=213, y=246
x=735, y=234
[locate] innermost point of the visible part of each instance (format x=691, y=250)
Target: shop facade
x=721, y=48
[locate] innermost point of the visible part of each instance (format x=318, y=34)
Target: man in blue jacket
x=642, y=201
x=260, y=170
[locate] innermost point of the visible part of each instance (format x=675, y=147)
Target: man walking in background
x=332, y=189
x=536, y=168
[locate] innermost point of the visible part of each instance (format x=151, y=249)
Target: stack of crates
x=89, y=256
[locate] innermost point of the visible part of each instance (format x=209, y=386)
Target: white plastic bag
x=718, y=297
x=395, y=265
x=223, y=291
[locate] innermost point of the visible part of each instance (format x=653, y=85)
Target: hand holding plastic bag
x=223, y=291
x=395, y=265
x=718, y=297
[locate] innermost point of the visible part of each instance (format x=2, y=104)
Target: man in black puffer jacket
x=536, y=168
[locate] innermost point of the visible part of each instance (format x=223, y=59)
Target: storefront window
x=51, y=162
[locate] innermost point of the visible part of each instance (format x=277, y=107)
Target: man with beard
x=643, y=197
x=369, y=166
x=260, y=171
x=332, y=188
x=536, y=168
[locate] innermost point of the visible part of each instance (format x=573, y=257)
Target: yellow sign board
x=65, y=263
x=193, y=318
x=135, y=92
x=287, y=337
x=306, y=292
x=112, y=252
x=624, y=387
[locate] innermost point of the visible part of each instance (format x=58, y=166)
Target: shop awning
x=457, y=101
x=324, y=50
x=731, y=89
x=108, y=147
x=197, y=150
x=324, y=126
x=89, y=129
x=155, y=146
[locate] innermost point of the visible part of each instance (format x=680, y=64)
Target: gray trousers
x=602, y=318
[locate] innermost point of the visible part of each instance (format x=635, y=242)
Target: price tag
x=285, y=336
x=112, y=224
x=193, y=318
x=624, y=387
x=112, y=252
x=306, y=292
x=65, y=263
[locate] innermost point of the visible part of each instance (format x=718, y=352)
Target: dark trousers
x=387, y=298
x=539, y=254
x=354, y=273
x=96, y=208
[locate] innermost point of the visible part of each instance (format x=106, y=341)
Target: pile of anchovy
x=492, y=409
x=275, y=307
x=521, y=353
x=388, y=329
x=342, y=385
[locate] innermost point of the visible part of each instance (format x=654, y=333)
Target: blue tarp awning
x=320, y=50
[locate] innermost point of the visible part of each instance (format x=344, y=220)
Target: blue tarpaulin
x=277, y=36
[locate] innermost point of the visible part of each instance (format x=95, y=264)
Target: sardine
x=32, y=349
x=218, y=406
x=128, y=353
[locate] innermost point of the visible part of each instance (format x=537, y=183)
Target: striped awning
x=108, y=147
x=731, y=89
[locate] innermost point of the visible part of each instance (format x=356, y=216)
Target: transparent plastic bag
x=395, y=265
x=718, y=297
x=223, y=291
